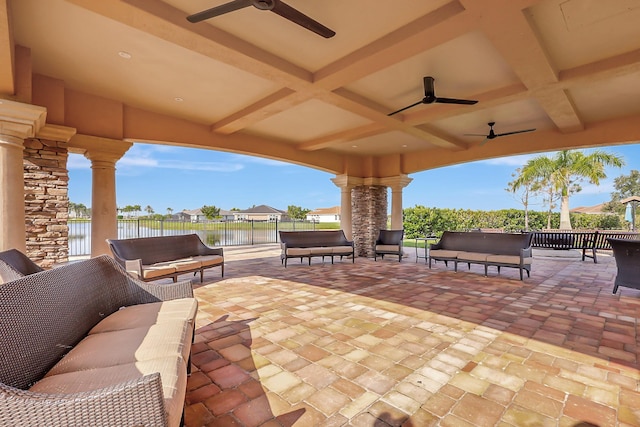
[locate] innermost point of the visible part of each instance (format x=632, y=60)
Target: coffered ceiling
x=251, y=81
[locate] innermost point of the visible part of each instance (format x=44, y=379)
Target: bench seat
x=309, y=244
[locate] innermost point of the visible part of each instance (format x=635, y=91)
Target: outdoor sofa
x=589, y=242
x=153, y=258
x=308, y=244
x=15, y=264
x=487, y=249
x=85, y=344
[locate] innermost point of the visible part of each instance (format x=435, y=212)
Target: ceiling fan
x=275, y=6
x=493, y=135
x=430, y=97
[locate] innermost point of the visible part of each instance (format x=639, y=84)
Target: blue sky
x=186, y=178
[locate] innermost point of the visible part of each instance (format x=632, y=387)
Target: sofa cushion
x=320, y=251
x=342, y=250
x=209, y=260
x=298, y=251
x=508, y=259
x=151, y=271
x=186, y=264
x=135, y=316
x=443, y=253
x=169, y=339
x=471, y=256
x=172, y=372
x=387, y=248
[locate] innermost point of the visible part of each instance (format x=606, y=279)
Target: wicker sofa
x=309, y=244
x=488, y=249
x=153, y=258
x=15, y=264
x=85, y=344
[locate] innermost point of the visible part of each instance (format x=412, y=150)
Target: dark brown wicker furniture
x=627, y=255
x=587, y=241
x=86, y=344
x=14, y=264
x=308, y=244
x=153, y=258
x=488, y=249
x=389, y=242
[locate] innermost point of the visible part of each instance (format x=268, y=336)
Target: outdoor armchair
x=389, y=242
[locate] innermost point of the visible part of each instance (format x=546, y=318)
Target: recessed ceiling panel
x=356, y=23
x=462, y=67
x=156, y=73
x=578, y=32
x=383, y=144
x=309, y=120
x=606, y=99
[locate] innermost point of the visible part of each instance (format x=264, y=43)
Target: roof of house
x=192, y=212
x=335, y=210
x=596, y=209
x=263, y=209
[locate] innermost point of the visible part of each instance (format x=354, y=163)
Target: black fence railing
x=212, y=233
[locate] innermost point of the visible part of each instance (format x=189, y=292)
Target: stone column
x=397, y=183
x=346, y=184
x=46, y=195
x=369, y=216
x=103, y=153
x=17, y=122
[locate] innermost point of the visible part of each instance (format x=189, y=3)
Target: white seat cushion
x=136, y=316
x=169, y=339
x=155, y=270
x=508, y=259
x=186, y=264
x=387, y=248
x=342, y=250
x=443, y=253
x=298, y=251
x=172, y=371
x=471, y=256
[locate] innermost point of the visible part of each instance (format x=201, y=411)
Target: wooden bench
x=488, y=249
x=308, y=244
x=589, y=242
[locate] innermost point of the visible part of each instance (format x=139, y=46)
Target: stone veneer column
x=103, y=154
x=369, y=209
x=17, y=122
x=46, y=195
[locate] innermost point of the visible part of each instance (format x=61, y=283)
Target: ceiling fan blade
x=484, y=141
x=514, y=132
x=301, y=19
x=405, y=108
x=218, y=10
x=456, y=101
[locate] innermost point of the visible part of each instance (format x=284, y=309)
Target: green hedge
x=421, y=221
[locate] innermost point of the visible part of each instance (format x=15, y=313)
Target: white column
x=103, y=153
x=397, y=183
x=346, y=184
x=17, y=122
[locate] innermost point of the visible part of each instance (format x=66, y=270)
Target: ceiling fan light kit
x=275, y=6
x=430, y=97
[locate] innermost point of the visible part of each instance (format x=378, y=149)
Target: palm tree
x=564, y=172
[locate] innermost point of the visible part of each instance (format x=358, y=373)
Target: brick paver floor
x=397, y=344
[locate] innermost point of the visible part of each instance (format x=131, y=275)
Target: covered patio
x=387, y=343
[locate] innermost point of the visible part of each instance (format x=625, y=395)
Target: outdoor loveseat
x=153, y=258
x=85, y=344
x=308, y=244
x=488, y=249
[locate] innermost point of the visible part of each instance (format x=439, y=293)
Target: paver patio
x=387, y=343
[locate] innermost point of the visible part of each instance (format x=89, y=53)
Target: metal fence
x=212, y=233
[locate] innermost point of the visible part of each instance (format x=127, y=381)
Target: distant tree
x=296, y=212
x=527, y=189
x=626, y=186
x=236, y=209
x=169, y=211
x=564, y=172
x=79, y=209
x=137, y=208
x=210, y=212
x=149, y=210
